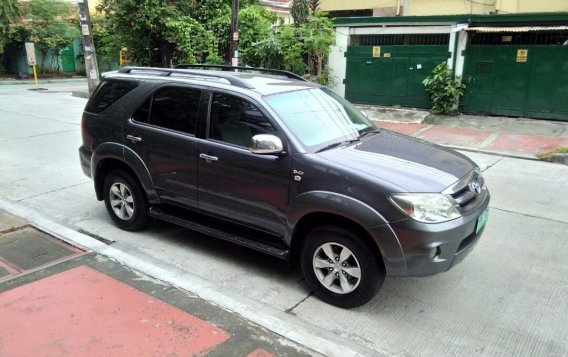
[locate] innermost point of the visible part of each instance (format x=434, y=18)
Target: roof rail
x=167, y=72
x=222, y=67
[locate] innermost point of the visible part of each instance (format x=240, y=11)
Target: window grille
x=543, y=38
x=400, y=40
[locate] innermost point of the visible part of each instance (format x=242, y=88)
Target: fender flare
x=359, y=212
x=128, y=157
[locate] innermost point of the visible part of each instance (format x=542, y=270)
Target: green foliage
x=301, y=49
x=547, y=155
x=50, y=24
x=444, y=89
x=107, y=49
x=300, y=11
x=8, y=14
x=255, y=23
x=163, y=32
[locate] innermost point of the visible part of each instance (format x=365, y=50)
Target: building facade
x=512, y=64
x=440, y=7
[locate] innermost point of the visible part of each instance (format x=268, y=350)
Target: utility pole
x=235, y=33
x=91, y=66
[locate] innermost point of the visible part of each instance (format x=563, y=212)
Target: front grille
x=463, y=193
x=465, y=196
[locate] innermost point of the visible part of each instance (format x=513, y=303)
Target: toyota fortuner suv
x=267, y=160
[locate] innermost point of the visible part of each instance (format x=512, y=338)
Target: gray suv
x=267, y=160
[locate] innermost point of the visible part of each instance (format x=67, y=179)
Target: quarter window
x=235, y=121
x=108, y=93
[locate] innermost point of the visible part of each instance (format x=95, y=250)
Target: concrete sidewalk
x=58, y=299
x=516, y=137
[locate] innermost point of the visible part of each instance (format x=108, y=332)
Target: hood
x=411, y=164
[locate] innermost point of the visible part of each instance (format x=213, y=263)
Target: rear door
x=162, y=132
x=235, y=184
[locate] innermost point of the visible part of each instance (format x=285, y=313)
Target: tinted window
x=235, y=121
x=108, y=93
x=171, y=108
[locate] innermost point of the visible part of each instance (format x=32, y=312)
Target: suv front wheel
x=340, y=268
x=124, y=201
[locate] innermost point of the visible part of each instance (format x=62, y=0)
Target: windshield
x=318, y=117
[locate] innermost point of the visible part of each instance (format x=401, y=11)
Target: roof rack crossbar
x=169, y=71
x=222, y=67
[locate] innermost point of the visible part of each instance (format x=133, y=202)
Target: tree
x=302, y=49
x=314, y=6
x=50, y=24
x=160, y=32
x=106, y=46
x=300, y=11
x=318, y=37
x=255, y=23
x=8, y=14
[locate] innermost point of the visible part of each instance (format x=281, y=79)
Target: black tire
x=132, y=205
x=371, y=272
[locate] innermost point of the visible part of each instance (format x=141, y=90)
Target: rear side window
x=172, y=108
x=108, y=93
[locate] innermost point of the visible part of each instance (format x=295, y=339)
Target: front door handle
x=208, y=158
x=133, y=138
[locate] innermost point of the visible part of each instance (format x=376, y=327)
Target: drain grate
x=27, y=248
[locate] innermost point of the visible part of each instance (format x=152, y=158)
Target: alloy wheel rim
x=336, y=268
x=121, y=201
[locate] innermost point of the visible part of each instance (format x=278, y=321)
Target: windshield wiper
x=374, y=131
x=331, y=146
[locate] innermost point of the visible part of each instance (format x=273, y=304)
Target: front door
x=162, y=132
x=235, y=184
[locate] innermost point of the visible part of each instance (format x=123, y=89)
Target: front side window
x=235, y=120
x=319, y=117
x=171, y=108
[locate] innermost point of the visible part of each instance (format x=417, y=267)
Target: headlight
x=425, y=207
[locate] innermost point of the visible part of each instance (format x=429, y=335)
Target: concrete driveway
x=508, y=297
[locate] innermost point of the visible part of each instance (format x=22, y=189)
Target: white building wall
x=337, y=62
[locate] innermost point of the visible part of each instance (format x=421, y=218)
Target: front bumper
x=454, y=240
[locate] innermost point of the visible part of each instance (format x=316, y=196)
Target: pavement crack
x=290, y=310
x=38, y=135
x=493, y=164
x=52, y=191
x=530, y=215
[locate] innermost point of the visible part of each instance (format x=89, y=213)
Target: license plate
x=482, y=220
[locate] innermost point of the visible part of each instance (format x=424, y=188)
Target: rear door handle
x=208, y=158
x=133, y=138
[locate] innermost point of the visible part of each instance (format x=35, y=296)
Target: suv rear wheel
x=340, y=268
x=124, y=201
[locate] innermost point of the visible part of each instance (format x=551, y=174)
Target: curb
x=286, y=325
x=492, y=152
x=31, y=82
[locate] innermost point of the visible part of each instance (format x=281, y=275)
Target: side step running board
x=162, y=214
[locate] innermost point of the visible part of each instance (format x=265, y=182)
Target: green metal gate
x=517, y=80
x=68, y=59
x=394, y=77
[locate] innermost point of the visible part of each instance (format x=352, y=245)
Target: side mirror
x=266, y=144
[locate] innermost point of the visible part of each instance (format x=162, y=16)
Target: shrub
x=444, y=89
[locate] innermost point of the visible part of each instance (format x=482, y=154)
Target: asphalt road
x=508, y=297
